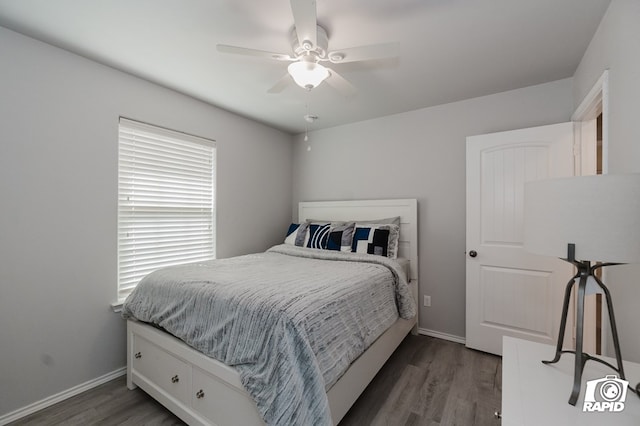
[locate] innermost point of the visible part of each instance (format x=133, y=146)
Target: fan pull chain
x=306, y=127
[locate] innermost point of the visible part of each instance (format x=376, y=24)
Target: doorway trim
x=594, y=103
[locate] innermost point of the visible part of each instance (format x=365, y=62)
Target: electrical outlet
x=427, y=300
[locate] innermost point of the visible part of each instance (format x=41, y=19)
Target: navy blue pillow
x=334, y=241
x=318, y=235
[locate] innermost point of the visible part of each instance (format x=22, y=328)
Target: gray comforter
x=290, y=320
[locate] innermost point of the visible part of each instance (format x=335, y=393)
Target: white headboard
x=407, y=209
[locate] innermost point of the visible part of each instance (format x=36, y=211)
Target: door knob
x=473, y=253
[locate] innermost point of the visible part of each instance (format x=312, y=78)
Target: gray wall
x=420, y=154
x=58, y=170
x=616, y=46
x=58, y=193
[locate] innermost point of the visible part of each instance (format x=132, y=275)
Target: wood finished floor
x=426, y=381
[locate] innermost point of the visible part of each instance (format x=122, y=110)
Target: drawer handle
x=175, y=379
x=138, y=355
x=497, y=414
x=200, y=394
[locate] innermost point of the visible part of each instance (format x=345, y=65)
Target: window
x=166, y=200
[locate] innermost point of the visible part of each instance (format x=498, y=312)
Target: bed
x=201, y=390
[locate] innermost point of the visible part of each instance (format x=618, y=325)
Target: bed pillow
x=395, y=220
x=318, y=234
x=340, y=236
x=297, y=234
x=380, y=239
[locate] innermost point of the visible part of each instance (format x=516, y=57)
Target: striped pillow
x=318, y=235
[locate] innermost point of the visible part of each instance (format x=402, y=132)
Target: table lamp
x=583, y=220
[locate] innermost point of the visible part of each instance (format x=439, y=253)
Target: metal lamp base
x=585, y=270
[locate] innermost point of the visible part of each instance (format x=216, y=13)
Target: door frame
x=596, y=101
x=584, y=117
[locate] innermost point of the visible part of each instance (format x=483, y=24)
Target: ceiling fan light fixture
x=308, y=75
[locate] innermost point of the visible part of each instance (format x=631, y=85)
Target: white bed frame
x=203, y=391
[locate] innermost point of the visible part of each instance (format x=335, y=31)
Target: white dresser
x=536, y=394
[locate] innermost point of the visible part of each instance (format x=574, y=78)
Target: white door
x=511, y=292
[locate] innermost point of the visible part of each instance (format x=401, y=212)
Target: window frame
x=185, y=147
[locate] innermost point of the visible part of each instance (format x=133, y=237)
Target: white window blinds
x=165, y=201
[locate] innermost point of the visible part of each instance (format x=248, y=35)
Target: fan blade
x=281, y=84
x=339, y=83
x=253, y=52
x=364, y=53
x=305, y=21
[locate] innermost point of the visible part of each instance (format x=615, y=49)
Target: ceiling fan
x=310, y=46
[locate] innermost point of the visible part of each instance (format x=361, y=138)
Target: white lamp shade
x=599, y=214
x=308, y=74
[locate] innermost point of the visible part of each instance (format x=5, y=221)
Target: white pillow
x=380, y=239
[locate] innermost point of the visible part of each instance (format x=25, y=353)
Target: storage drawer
x=220, y=403
x=168, y=372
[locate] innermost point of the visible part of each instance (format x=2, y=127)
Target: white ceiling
x=449, y=49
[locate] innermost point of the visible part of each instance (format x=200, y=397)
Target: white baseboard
x=440, y=335
x=66, y=394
